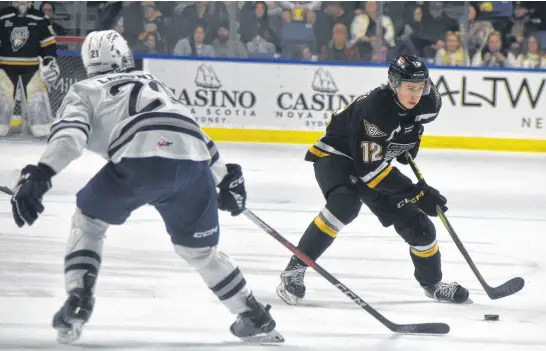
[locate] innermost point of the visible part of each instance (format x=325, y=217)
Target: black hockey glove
x=26, y=202
x=232, y=195
x=426, y=198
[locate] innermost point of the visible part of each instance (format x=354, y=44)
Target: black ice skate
x=453, y=292
x=256, y=325
x=69, y=320
x=292, y=290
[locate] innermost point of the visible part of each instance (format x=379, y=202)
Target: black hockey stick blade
x=510, y=287
x=423, y=328
x=6, y=190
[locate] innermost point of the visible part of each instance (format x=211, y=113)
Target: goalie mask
x=22, y=6
x=106, y=51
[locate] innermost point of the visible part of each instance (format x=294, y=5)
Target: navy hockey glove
x=426, y=198
x=232, y=195
x=26, y=202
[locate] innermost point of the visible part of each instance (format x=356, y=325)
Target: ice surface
x=149, y=299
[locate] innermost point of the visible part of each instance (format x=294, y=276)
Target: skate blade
x=287, y=297
x=68, y=336
x=266, y=338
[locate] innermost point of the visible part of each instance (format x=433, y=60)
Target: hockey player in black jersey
x=26, y=44
x=352, y=163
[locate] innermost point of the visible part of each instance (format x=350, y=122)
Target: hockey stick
x=6, y=190
x=510, y=287
x=422, y=328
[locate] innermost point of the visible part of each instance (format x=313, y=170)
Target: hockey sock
x=316, y=239
x=83, y=253
x=428, y=264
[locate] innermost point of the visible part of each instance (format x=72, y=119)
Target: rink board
x=291, y=102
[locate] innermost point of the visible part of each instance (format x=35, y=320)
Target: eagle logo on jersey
x=373, y=130
x=19, y=37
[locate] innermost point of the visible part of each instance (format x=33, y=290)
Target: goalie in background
x=28, y=54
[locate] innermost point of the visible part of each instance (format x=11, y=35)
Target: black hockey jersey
x=24, y=38
x=372, y=131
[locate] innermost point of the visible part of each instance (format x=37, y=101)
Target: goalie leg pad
x=83, y=250
x=220, y=273
x=7, y=101
x=37, y=108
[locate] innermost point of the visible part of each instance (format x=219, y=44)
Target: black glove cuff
x=46, y=172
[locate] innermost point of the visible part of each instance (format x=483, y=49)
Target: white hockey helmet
x=106, y=51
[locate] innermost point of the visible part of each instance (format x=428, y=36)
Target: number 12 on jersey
x=371, y=152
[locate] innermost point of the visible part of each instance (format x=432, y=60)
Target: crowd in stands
x=492, y=34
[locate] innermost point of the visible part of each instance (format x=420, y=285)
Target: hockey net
x=72, y=71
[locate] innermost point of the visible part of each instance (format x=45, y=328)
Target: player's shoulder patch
x=373, y=131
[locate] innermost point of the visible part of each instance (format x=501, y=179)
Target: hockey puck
x=491, y=317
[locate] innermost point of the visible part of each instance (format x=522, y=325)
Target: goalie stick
x=422, y=328
x=510, y=287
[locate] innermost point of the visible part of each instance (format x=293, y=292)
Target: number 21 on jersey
x=371, y=152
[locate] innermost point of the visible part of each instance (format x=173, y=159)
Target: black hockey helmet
x=408, y=68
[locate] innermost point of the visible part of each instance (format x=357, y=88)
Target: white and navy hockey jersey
x=127, y=115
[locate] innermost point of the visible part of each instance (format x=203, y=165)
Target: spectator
x=286, y=16
x=48, y=8
x=531, y=57
x=326, y=20
x=491, y=55
x=199, y=14
x=257, y=33
x=435, y=28
x=153, y=22
x=223, y=47
x=150, y=45
x=306, y=54
x=379, y=51
x=518, y=27
x=453, y=54
x=365, y=24
x=477, y=31
x=339, y=49
x=273, y=9
x=194, y=46
x=412, y=37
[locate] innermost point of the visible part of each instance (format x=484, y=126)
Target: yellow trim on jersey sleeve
x=379, y=177
x=47, y=43
x=19, y=63
x=317, y=152
x=325, y=228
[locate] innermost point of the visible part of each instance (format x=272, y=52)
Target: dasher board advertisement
x=251, y=101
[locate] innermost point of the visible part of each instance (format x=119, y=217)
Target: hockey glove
x=232, y=195
x=426, y=198
x=26, y=202
x=50, y=70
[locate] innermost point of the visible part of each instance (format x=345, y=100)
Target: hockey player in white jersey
x=157, y=155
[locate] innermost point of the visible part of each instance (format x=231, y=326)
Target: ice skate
x=445, y=292
x=256, y=325
x=69, y=320
x=292, y=290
